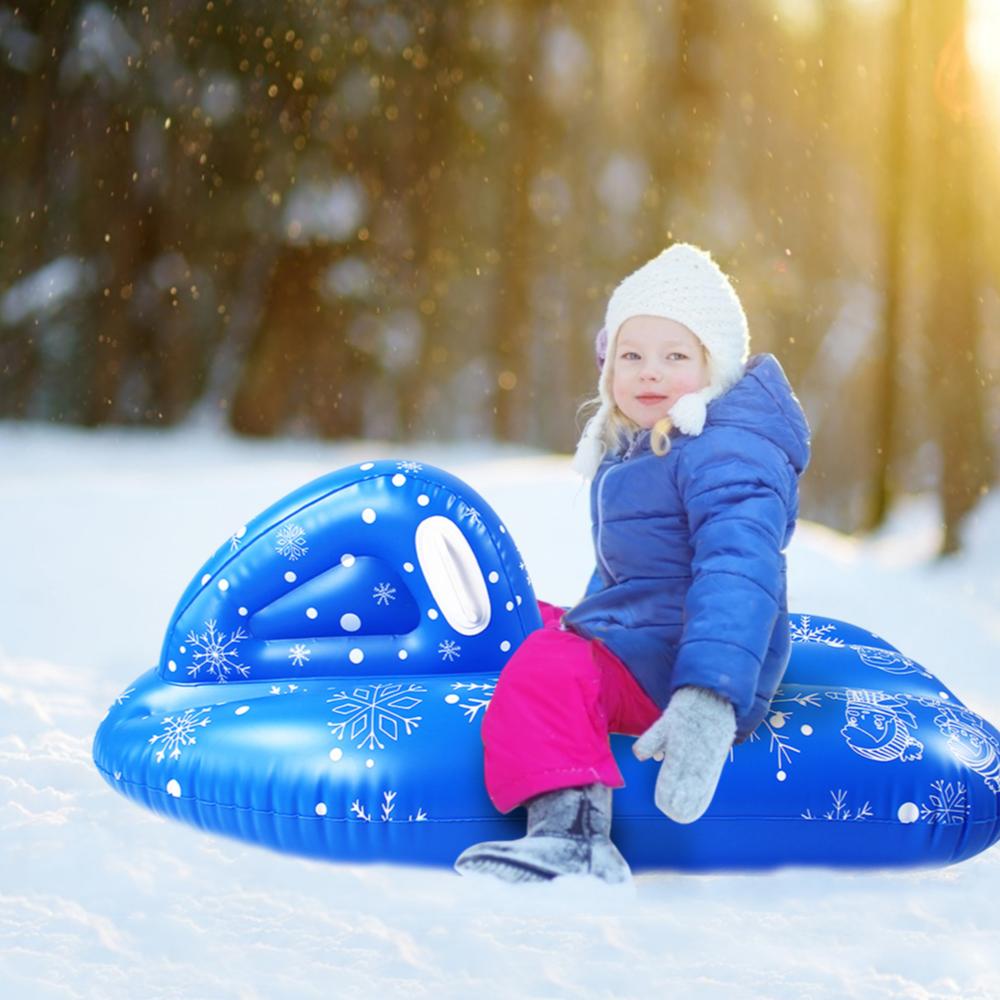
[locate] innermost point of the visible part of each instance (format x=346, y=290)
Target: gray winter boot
x=568, y=834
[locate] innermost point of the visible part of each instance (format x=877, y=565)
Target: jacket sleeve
x=596, y=583
x=735, y=490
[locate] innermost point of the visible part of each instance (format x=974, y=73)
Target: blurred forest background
x=403, y=220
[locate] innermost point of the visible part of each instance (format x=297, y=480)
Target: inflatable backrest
x=364, y=571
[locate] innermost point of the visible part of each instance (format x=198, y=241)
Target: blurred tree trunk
x=680, y=141
x=247, y=297
x=518, y=259
x=886, y=397
x=425, y=194
x=950, y=337
x=113, y=344
x=28, y=168
x=694, y=91
x=300, y=366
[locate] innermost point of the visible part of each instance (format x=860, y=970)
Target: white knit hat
x=683, y=284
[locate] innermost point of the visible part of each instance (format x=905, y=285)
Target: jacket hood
x=764, y=403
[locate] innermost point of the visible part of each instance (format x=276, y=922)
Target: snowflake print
x=473, y=705
x=839, y=812
x=179, y=731
x=292, y=688
x=805, y=631
x=472, y=514
x=299, y=654
x=375, y=710
x=781, y=744
x=124, y=696
x=388, y=805
x=948, y=806
x=449, y=650
x=220, y=656
x=409, y=466
x=291, y=542
x=384, y=593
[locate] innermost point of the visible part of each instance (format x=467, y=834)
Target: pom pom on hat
x=683, y=284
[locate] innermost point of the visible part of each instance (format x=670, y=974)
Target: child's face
x=656, y=362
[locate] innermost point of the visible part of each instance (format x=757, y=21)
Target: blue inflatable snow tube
x=323, y=679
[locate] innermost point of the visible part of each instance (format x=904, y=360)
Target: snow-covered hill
x=102, y=531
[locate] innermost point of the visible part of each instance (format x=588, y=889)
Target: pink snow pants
x=547, y=726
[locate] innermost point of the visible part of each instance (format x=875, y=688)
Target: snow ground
x=99, y=898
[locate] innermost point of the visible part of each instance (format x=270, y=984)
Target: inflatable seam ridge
x=479, y=819
x=237, y=684
x=274, y=812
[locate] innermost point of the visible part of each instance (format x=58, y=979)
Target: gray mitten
x=692, y=738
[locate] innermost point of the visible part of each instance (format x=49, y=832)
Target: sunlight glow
x=982, y=37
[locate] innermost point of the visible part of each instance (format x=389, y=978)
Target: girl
x=694, y=454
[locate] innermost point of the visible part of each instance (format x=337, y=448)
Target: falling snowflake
x=218, y=655
x=124, y=696
x=299, y=654
x=838, y=812
x=291, y=542
x=370, y=711
x=473, y=705
x=384, y=593
x=388, y=805
x=948, y=806
x=290, y=689
x=409, y=466
x=805, y=631
x=179, y=731
x=449, y=650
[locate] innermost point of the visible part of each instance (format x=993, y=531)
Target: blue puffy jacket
x=690, y=586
